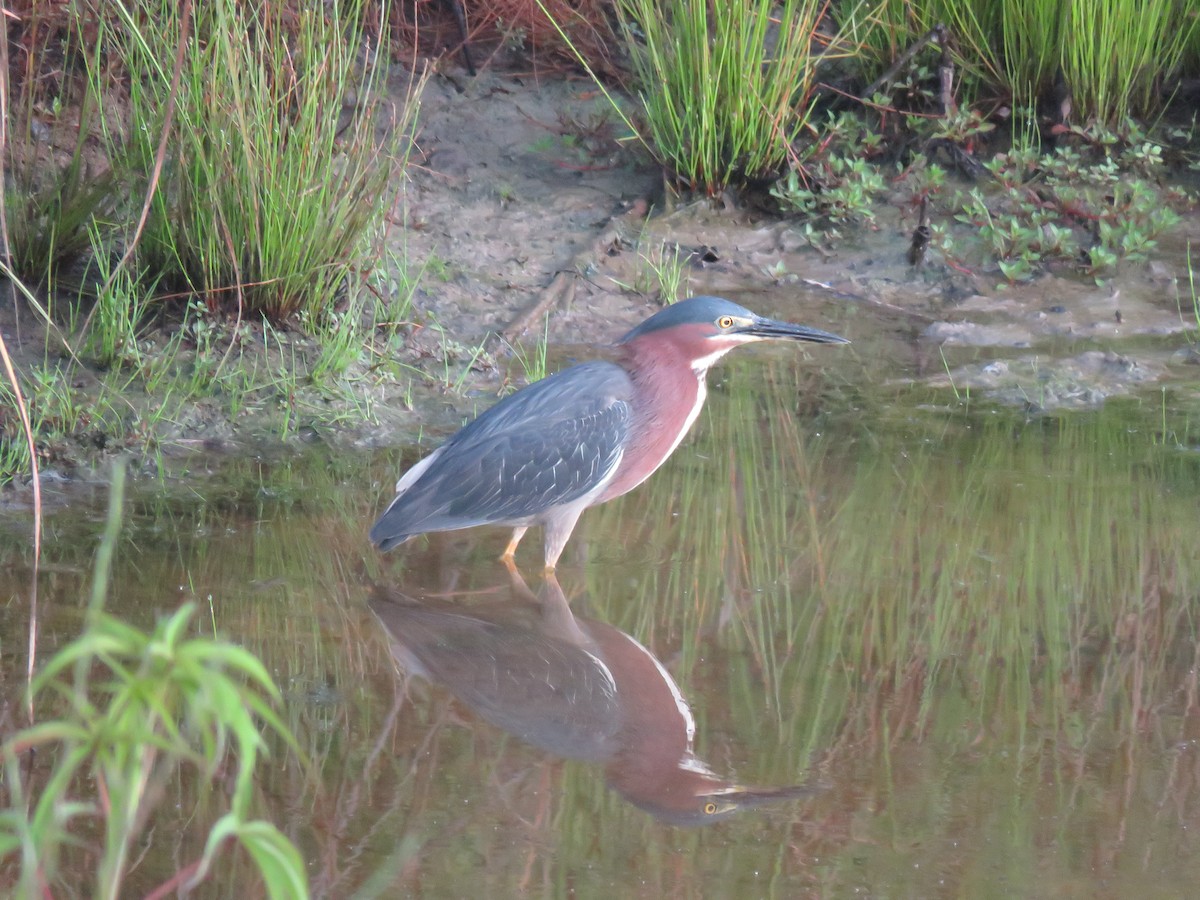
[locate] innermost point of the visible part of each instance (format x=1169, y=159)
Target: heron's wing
x=546, y=445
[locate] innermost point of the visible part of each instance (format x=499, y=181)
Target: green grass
x=459, y=359
x=662, y=271
x=272, y=184
x=51, y=200
x=276, y=176
x=881, y=32
x=113, y=328
x=1110, y=58
x=161, y=387
x=1129, y=52
x=283, y=159
x=533, y=361
x=120, y=712
x=724, y=89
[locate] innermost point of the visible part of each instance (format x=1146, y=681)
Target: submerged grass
x=929, y=602
x=947, y=603
x=1014, y=561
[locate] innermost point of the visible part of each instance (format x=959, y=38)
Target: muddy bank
x=528, y=212
x=523, y=183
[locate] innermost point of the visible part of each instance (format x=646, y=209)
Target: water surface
x=890, y=644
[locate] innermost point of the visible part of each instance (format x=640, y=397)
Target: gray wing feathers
x=546, y=445
x=523, y=474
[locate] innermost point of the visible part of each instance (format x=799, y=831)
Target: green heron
x=580, y=437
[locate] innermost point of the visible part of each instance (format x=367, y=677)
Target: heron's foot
x=510, y=551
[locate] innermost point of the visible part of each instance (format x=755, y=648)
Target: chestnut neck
x=667, y=396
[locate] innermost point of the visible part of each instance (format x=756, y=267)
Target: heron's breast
x=665, y=408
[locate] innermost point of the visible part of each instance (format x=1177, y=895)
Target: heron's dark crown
x=693, y=311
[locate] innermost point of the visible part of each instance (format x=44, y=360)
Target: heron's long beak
x=774, y=330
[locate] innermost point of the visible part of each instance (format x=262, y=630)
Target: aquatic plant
x=1094, y=206
x=834, y=181
x=118, y=713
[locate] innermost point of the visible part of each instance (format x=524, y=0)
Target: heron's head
x=706, y=328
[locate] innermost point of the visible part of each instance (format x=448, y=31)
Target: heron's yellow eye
x=725, y=321
x=710, y=807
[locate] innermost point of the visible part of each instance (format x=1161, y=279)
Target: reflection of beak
x=692, y=797
x=735, y=798
x=774, y=330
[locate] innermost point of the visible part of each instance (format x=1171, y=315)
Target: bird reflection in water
x=573, y=687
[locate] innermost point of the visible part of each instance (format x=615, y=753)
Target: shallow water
x=927, y=648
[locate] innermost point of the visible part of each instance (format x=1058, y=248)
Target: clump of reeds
x=273, y=172
x=1101, y=60
x=724, y=88
x=52, y=191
